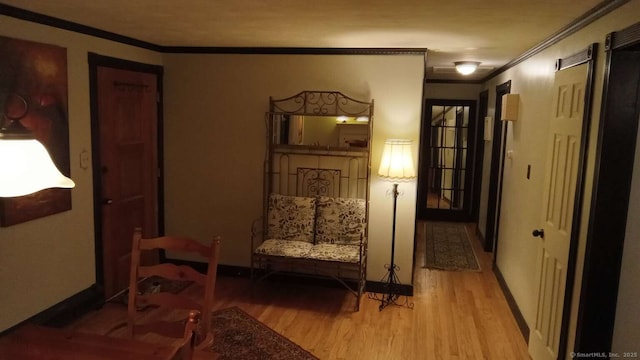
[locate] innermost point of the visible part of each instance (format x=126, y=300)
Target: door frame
x=498, y=148
x=615, y=155
x=483, y=111
x=95, y=61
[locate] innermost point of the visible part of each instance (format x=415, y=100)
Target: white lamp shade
x=397, y=160
x=26, y=167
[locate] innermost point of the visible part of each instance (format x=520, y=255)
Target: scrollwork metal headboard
x=321, y=103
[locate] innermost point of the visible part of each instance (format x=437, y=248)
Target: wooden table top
x=33, y=342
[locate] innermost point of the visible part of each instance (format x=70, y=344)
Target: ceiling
x=492, y=32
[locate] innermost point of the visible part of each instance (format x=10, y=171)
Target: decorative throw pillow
x=291, y=218
x=340, y=220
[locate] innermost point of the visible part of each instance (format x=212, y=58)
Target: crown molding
x=587, y=18
x=292, y=50
x=72, y=26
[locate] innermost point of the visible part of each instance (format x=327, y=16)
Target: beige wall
x=45, y=261
x=521, y=199
x=215, y=140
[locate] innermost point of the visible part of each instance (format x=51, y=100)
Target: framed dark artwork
x=33, y=86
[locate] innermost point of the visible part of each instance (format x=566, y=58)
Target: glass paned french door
x=447, y=151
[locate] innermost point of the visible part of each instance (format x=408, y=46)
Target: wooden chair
x=167, y=300
x=185, y=350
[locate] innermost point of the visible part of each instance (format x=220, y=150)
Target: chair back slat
x=172, y=272
x=176, y=243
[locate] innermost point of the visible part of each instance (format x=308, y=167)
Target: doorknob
x=107, y=201
x=538, y=233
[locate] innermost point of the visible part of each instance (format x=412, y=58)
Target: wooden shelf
x=352, y=124
x=322, y=150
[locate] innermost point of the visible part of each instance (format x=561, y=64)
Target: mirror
x=320, y=119
x=450, y=160
x=322, y=131
x=448, y=152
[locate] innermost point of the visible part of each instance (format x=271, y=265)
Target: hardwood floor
x=456, y=315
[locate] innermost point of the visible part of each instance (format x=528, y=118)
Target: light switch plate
x=84, y=159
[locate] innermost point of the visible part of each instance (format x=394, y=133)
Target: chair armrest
x=364, y=241
x=257, y=232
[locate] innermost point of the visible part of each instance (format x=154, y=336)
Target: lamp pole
x=391, y=282
x=396, y=164
x=393, y=228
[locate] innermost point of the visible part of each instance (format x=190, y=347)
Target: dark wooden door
x=127, y=122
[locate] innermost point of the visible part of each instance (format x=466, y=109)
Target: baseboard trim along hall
x=515, y=310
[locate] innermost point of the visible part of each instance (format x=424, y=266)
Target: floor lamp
x=396, y=166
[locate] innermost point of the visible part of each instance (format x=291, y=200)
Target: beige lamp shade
x=397, y=160
x=26, y=167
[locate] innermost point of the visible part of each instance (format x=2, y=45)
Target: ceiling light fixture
x=466, y=67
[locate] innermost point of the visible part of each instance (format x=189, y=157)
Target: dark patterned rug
x=238, y=336
x=448, y=247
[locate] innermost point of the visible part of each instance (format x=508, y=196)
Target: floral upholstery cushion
x=335, y=252
x=291, y=218
x=339, y=220
x=288, y=248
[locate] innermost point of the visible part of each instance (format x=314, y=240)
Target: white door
x=563, y=155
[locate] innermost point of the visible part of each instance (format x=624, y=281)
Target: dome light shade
x=466, y=67
x=26, y=167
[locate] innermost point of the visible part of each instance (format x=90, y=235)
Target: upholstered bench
x=313, y=235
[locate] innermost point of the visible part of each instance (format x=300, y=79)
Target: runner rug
x=448, y=247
